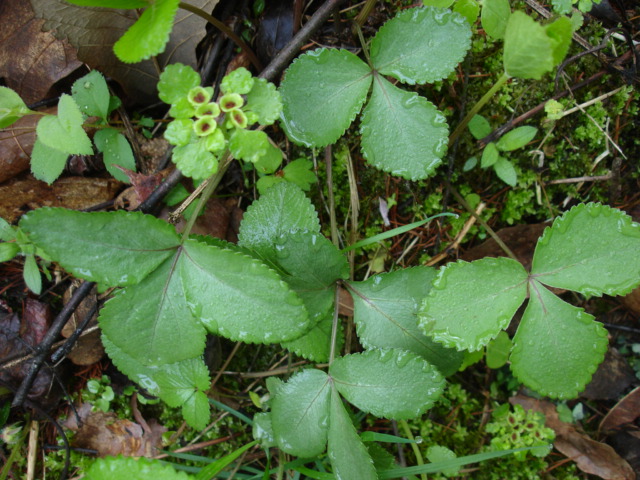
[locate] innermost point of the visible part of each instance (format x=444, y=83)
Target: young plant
x=61, y=135
x=513, y=140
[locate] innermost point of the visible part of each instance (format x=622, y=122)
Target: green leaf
x=238, y=297
x=300, y=172
x=64, y=131
x=270, y=161
x=238, y=81
x=263, y=431
x=31, y=274
x=437, y=453
x=402, y=133
x=183, y=385
x=299, y=413
x=151, y=321
x=563, y=7
x=348, y=455
x=12, y=107
x=322, y=92
x=469, y=9
x=490, y=155
x=498, y=350
x=149, y=35
x=116, y=151
x=8, y=251
x=557, y=347
x=438, y=3
x=516, y=138
x=195, y=160
x=385, y=314
x=315, y=345
x=479, y=127
x=180, y=132
x=111, y=248
x=494, y=18
x=7, y=232
x=248, y=145
x=47, y=163
x=393, y=383
x=312, y=264
x=444, y=38
x=531, y=50
x=265, y=101
x=505, y=171
x=211, y=471
x=127, y=4
x=92, y=95
x=282, y=209
x=175, y=82
x=143, y=375
x=471, y=302
x=591, y=249
x=111, y=468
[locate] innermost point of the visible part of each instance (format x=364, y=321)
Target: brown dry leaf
x=632, y=301
x=16, y=144
x=110, y=435
x=590, y=456
x=624, y=412
x=612, y=377
x=31, y=60
x=93, y=31
x=221, y=219
x=141, y=187
x=18, y=196
x=88, y=348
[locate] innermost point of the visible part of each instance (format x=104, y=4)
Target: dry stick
x=597, y=178
x=32, y=451
x=292, y=48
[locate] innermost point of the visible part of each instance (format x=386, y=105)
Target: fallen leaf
x=221, y=219
x=141, y=187
x=19, y=196
x=590, y=456
x=613, y=376
x=632, y=300
x=110, y=435
x=88, y=348
x=624, y=412
x=31, y=60
x=93, y=31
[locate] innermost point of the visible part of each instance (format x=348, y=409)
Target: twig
x=287, y=53
x=597, y=178
x=33, y=450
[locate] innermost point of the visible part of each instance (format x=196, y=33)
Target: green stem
x=213, y=182
x=476, y=108
x=334, y=325
x=224, y=29
x=414, y=445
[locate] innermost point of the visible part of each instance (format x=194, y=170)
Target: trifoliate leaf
x=300, y=172
x=64, y=131
x=299, y=413
x=385, y=314
x=239, y=297
x=402, y=133
x=47, y=163
x=490, y=155
x=391, y=383
x=111, y=468
x=179, y=132
x=282, y=209
x=149, y=35
x=421, y=45
x=111, y=248
x=505, y=171
x=12, y=107
x=591, y=249
x=479, y=127
x=488, y=292
x=175, y=82
x=238, y=81
x=157, y=306
x=469, y=9
x=248, y=145
x=183, y=385
x=315, y=345
x=91, y=93
x=31, y=274
x=494, y=17
x=116, y=150
x=557, y=347
x=195, y=160
x=322, y=92
x=348, y=455
x=265, y=101
x=516, y=138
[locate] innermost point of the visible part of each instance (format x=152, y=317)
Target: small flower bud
x=200, y=95
x=231, y=101
x=208, y=110
x=238, y=118
x=205, y=126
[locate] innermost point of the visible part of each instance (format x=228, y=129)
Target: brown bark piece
x=31, y=60
x=590, y=456
x=19, y=196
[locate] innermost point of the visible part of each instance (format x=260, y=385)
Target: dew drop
x=88, y=85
